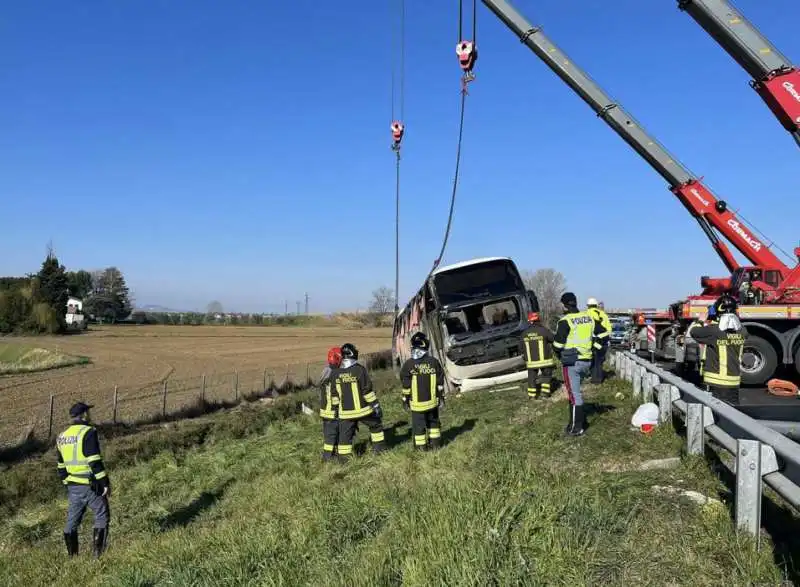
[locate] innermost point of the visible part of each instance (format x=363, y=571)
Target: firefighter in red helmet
x=329, y=405
x=537, y=341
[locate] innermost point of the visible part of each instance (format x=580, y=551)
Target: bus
x=474, y=313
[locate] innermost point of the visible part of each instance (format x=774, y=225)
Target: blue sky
x=238, y=150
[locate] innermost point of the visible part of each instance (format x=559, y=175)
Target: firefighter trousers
x=330, y=437
x=426, y=428
x=598, y=360
x=726, y=394
x=539, y=381
x=348, y=429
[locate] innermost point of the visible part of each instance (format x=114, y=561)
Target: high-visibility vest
x=604, y=320
x=70, y=446
x=581, y=334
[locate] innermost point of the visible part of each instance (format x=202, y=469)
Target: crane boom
x=710, y=212
x=775, y=79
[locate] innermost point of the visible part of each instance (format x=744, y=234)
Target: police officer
x=329, y=405
x=81, y=469
x=597, y=312
x=422, y=378
x=724, y=343
x=538, y=342
x=574, y=343
x=357, y=403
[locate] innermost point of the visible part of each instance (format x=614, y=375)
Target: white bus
x=474, y=313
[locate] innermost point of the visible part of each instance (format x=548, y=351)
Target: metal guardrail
x=762, y=454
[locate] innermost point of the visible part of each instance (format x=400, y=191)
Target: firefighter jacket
x=79, y=458
x=353, y=386
x=601, y=317
x=423, y=383
x=722, y=356
x=538, y=343
x=702, y=347
x=579, y=331
x=328, y=398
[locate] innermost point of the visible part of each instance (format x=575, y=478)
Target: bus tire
x=762, y=359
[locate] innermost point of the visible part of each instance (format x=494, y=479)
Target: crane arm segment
x=775, y=79
x=696, y=198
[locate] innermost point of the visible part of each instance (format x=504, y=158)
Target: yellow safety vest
x=581, y=333
x=70, y=446
x=604, y=320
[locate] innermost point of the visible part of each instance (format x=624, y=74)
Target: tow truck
x=773, y=325
x=775, y=79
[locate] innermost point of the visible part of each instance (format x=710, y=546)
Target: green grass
x=16, y=358
x=241, y=498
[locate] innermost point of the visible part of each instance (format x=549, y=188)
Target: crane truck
x=775, y=79
x=774, y=324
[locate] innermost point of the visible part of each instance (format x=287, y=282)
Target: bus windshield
x=481, y=280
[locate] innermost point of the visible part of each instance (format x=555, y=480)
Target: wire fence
x=167, y=399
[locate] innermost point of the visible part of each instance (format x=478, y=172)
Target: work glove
x=406, y=403
x=376, y=409
x=441, y=403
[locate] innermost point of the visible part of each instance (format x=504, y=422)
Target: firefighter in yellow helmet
x=422, y=378
x=81, y=469
x=357, y=403
x=597, y=312
x=537, y=341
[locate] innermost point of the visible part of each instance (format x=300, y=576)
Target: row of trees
x=37, y=303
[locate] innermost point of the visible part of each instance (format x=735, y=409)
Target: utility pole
x=286, y=307
x=306, y=303
x=298, y=308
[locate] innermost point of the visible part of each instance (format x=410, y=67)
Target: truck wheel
x=759, y=361
x=797, y=361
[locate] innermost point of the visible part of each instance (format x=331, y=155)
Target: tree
x=382, y=300
x=110, y=299
x=215, y=307
x=51, y=290
x=548, y=285
x=80, y=283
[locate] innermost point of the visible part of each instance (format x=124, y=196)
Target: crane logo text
x=737, y=228
x=697, y=195
x=790, y=89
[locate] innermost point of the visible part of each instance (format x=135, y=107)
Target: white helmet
x=591, y=302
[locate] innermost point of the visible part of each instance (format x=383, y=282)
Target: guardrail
x=762, y=454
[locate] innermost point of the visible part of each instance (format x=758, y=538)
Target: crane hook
x=398, y=129
x=467, y=56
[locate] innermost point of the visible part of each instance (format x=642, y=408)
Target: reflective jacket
x=354, y=388
x=423, y=383
x=538, y=343
x=79, y=458
x=722, y=356
x=580, y=331
x=601, y=317
x=328, y=398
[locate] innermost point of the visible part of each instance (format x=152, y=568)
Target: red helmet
x=335, y=356
x=533, y=316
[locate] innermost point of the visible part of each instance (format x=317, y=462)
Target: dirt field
x=138, y=359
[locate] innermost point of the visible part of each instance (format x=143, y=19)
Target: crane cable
x=398, y=129
x=467, y=56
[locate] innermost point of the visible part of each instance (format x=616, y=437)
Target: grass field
x=18, y=358
x=241, y=498
x=138, y=359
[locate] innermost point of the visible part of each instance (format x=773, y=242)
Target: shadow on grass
x=187, y=514
x=453, y=432
x=776, y=519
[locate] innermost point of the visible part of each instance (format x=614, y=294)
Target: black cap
x=569, y=299
x=79, y=409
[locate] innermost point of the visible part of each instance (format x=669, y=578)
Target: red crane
x=775, y=79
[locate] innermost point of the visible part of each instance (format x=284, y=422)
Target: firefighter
x=329, y=405
x=722, y=353
x=597, y=312
x=357, y=403
x=422, y=378
x=81, y=469
x=575, y=340
x=538, y=342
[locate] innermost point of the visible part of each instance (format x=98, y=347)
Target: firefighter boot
x=378, y=447
x=71, y=540
x=99, y=541
x=435, y=443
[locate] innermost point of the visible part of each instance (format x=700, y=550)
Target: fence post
x=203, y=390
x=164, y=400
x=748, y=486
x=664, y=402
x=116, y=399
x=647, y=388
x=308, y=375
x=695, y=429
x=637, y=381
x=236, y=385
x=265, y=379
x=50, y=426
